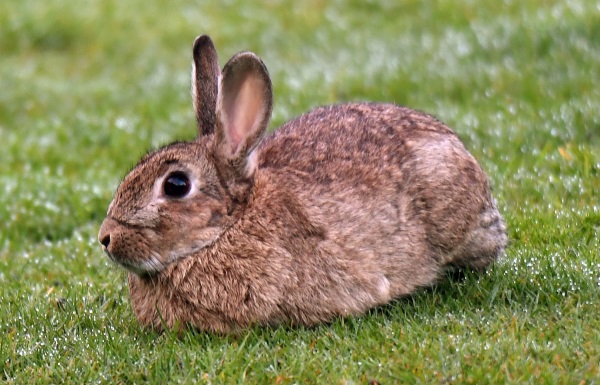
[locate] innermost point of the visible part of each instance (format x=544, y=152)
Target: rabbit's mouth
x=148, y=267
x=155, y=263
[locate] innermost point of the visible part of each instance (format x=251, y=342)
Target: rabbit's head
x=181, y=198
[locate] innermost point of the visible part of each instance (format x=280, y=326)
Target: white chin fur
x=153, y=265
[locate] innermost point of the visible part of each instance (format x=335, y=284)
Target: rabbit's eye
x=177, y=185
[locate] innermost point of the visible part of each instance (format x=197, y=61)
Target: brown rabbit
x=339, y=210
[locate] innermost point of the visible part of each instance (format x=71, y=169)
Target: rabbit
x=342, y=209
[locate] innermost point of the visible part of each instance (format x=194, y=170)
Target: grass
x=87, y=87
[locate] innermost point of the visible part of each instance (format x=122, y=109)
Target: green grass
x=87, y=87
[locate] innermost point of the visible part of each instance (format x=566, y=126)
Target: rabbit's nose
x=104, y=233
x=105, y=240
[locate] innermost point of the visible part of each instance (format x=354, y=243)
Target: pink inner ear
x=243, y=103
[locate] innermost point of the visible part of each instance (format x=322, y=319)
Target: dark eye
x=177, y=185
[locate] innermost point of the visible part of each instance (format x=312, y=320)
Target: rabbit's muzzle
x=128, y=248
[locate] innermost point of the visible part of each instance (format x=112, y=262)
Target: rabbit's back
x=392, y=187
x=330, y=138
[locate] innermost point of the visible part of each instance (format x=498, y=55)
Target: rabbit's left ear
x=244, y=106
x=205, y=80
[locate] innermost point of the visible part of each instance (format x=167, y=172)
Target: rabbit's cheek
x=180, y=234
x=194, y=240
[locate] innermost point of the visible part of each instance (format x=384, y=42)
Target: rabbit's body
x=339, y=210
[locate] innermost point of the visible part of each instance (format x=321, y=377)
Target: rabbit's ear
x=244, y=108
x=205, y=80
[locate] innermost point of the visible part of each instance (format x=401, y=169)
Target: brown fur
x=341, y=209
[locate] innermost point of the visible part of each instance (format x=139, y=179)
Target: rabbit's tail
x=483, y=244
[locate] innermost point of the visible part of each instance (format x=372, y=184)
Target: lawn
x=87, y=87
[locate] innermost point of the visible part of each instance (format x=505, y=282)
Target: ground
x=86, y=88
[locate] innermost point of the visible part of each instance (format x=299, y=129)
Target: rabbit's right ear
x=205, y=80
x=244, y=106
